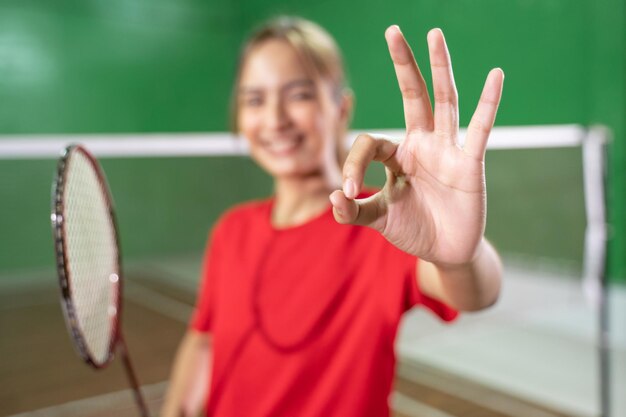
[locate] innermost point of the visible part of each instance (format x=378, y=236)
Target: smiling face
x=287, y=116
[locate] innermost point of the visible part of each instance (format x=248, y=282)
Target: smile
x=282, y=146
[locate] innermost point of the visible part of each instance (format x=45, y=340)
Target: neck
x=300, y=199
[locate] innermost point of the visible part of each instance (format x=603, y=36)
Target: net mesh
x=91, y=253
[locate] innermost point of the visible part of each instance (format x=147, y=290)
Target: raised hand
x=433, y=204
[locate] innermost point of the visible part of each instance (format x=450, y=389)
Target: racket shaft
x=132, y=379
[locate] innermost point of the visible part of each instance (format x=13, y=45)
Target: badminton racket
x=89, y=262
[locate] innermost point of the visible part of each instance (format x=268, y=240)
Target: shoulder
x=242, y=216
x=249, y=209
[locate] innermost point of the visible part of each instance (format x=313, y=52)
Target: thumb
x=370, y=211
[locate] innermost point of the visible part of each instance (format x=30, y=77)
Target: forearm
x=189, y=380
x=468, y=287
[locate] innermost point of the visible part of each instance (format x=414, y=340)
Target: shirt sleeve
x=203, y=312
x=414, y=297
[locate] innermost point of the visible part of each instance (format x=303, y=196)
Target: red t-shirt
x=303, y=319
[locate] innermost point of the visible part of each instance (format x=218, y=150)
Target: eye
x=303, y=95
x=252, y=101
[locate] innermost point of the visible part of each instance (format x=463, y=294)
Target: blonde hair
x=315, y=46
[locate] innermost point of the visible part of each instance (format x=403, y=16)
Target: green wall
x=167, y=66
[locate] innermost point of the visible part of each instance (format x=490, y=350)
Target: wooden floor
x=41, y=375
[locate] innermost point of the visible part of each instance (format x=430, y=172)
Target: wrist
x=463, y=266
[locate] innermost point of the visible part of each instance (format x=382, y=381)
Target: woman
x=300, y=303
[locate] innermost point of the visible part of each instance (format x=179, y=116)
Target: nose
x=277, y=116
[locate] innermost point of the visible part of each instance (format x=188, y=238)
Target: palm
x=437, y=211
x=434, y=202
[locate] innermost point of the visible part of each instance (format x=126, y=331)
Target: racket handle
x=132, y=379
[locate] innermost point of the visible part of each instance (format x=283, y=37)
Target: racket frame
x=60, y=247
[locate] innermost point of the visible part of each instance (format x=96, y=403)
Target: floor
x=538, y=343
x=531, y=355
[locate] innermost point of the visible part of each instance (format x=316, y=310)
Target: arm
x=190, y=377
x=468, y=287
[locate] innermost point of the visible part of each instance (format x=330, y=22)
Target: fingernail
x=432, y=32
x=349, y=188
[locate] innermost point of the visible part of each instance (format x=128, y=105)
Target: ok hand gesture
x=433, y=204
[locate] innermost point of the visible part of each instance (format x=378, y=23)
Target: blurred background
x=75, y=69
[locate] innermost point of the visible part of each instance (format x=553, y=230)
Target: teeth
x=283, y=145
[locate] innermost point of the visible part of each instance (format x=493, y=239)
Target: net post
x=595, y=282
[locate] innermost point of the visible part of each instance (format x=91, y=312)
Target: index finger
x=418, y=114
x=367, y=148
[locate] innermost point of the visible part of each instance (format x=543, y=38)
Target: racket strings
x=91, y=253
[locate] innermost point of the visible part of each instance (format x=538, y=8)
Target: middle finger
x=418, y=114
x=446, y=99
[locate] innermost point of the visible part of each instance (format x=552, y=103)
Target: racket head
x=87, y=255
